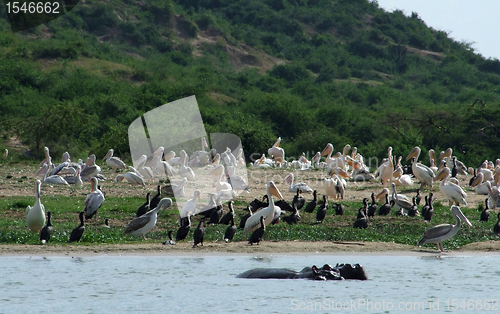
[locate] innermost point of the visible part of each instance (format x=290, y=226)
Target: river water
x=207, y=284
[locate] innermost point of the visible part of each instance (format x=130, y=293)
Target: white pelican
x=446, y=154
x=5, y=153
x=386, y=169
x=211, y=204
x=306, y=164
x=404, y=180
x=479, y=185
x=145, y=171
x=169, y=155
x=443, y=232
x=277, y=153
x=48, y=159
x=216, y=172
x=190, y=206
x=186, y=171
x=303, y=187
x=179, y=190
x=132, y=169
x=55, y=179
x=494, y=198
x=216, y=160
x=159, y=166
x=341, y=162
x=253, y=221
x=226, y=195
x=329, y=159
x=432, y=160
x=315, y=160
x=132, y=178
x=421, y=171
x=228, y=158
x=204, y=145
x=240, y=158
x=194, y=162
x=35, y=216
x=221, y=184
x=139, y=226
x=66, y=157
x=114, y=162
x=401, y=201
x=154, y=162
x=452, y=191
x=487, y=173
x=335, y=186
x=57, y=169
x=90, y=169
x=70, y=169
x=398, y=170
x=75, y=179
x=94, y=200
x=263, y=162
x=237, y=182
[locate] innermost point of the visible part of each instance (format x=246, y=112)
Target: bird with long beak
x=253, y=221
x=139, y=226
x=35, y=216
x=330, y=160
x=446, y=154
x=113, y=161
x=452, y=191
x=443, y=232
x=421, y=171
x=277, y=153
x=494, y=195
x=401, y=201
x=190, y=206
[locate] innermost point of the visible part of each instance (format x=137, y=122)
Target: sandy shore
x=215, y=248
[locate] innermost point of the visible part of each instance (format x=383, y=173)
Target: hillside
x=311, y=72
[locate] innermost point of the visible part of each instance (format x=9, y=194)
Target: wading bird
x=35, y=216
x=443, y=232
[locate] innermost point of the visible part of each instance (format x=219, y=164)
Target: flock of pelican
x=226, y=184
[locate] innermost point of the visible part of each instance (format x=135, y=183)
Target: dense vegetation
x=349, y=73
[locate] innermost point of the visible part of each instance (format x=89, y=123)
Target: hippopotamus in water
x=327, y=272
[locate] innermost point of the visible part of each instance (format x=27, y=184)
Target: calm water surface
x=207, y=284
